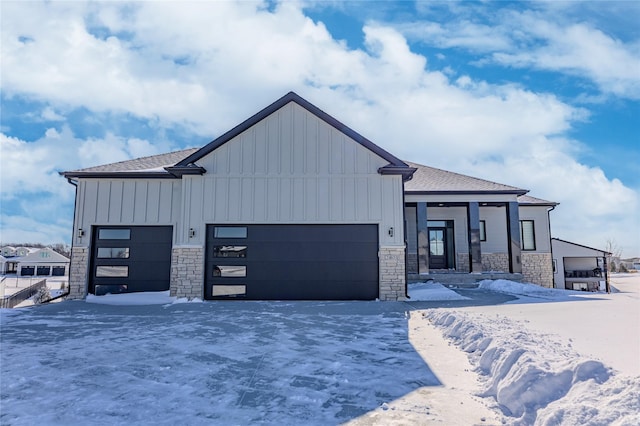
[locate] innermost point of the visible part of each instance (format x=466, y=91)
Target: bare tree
x=615, y=254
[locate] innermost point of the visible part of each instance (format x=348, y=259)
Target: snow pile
x=124, y=299
x=430, y=291
x=536, y=380
x=524, y=289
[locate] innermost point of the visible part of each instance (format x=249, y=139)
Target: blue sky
x=545, y=95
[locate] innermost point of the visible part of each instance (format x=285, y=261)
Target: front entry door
x=438, y=248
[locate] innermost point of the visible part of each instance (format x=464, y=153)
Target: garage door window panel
x=229, y=290
x=112, y=271
x=230, y=232
x=229, y=271
x=43, y=270
x=114, y=234
x=113, y=252
x=230, y=251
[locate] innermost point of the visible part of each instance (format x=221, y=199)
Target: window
x=229, y=271
x=102, y=289
x=114, y=234
x=112, y=271
x=113, y=253
x=527, y=235
x=483, y=230
x=230, y=232
x=228, y=290
x=229, y=251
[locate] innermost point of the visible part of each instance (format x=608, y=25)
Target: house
x=578, y=267
x=293, y=204
x=8, y=251
x=42, y=263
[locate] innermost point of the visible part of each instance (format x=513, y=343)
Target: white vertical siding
x=292, y=167
x=125, y=202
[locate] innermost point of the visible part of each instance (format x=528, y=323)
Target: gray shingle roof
x=155, y=163
x=431, y=180
x=529, y=200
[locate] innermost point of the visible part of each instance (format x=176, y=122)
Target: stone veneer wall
x=537, y=268
x=412, y=263
x=187, y=272
x=495, y=262
x=392, y=273
x=78, y=273
x=462, y=262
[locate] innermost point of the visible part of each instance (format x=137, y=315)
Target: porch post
x=513, y=236
x=423, y=238
x=473, y=221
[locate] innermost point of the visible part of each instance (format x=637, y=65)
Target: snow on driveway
x=505, y=359
x=226, y=363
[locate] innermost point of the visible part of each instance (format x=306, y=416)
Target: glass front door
x=438, y=248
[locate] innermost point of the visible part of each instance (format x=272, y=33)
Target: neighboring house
x=8, y=251
x=578, y=267
x=42, y=263
x=292, y=204
x=3, y=264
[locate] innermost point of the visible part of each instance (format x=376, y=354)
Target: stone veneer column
x=462, y=262
x=78, y=273
x=537, y=268
x=392, y=273
x=187, y=272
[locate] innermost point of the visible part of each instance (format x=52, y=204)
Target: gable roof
x=44, y=255
x=430, y=180
x=558, y=240
x=151, y=166
x=395, y=166
x=175, y=164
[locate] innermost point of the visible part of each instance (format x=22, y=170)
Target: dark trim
x=407, y=173
x=119, y=175
x=293, y=97
x=513, y=238
x=475, y=192
x=190, y=169
x=473, y=235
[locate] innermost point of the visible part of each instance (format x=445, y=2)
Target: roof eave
x=464, y=192
x=118, y=175
x=406, y=172
x=191, y=169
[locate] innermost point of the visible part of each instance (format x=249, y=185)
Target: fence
x=22, y=295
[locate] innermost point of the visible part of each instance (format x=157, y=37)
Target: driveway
x=202, y=363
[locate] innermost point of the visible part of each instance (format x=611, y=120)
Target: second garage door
x=292, y=262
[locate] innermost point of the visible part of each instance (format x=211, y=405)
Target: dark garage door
x=130, y=259
x=292, y=262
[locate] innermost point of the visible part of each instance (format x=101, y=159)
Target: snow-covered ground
x=151, y=359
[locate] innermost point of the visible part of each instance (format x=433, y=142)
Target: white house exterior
x=43, y=262
x=292, y=204
x=8, y=251
x=579, y=267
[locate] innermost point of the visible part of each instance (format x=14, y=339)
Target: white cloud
x=211, y=65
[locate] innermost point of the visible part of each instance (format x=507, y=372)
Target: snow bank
x=144, y=298
x=525, y=289
x=536, y=380
x=430, y=291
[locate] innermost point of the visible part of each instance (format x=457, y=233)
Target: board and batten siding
x=292, y=167
x=125, y=202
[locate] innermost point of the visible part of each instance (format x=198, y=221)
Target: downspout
x=60, y=296
x=553, y=275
